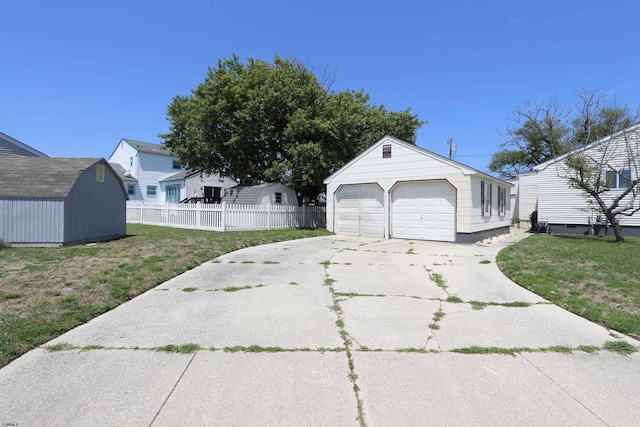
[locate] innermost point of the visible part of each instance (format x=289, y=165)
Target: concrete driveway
x=331, y=331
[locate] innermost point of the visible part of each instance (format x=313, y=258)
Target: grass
x=593, y=277
x=181, y=348
x=620, y=347
x=45, y=292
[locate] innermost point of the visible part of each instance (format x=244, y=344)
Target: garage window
x=386, y=151
x=502, y=200
x=485, y=198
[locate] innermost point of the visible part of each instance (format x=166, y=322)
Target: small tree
x=600, y=142
x=607, y=172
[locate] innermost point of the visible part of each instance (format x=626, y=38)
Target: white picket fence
x=226, y=217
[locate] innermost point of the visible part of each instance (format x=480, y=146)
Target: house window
x=278, y=198
x=173, y=193
x=620, y=179
x=100, y=173
x=176, y=164
x=386, y=151
x=485, y=198
x=131, y=189
x=152, y=190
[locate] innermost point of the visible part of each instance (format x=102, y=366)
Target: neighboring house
x=396, y=189
x=567, y=209
x=524, y=198
x=57, y=201
x=261, y=194
x=195, y=186
x=150, y=173
x=12, y=147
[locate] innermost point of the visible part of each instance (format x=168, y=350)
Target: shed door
x=424, y=211
x=360, y=210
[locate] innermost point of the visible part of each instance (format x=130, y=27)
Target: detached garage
x=398, y=190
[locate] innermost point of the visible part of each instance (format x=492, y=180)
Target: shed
x=396, y=189
x=60, y=201
x=262, y=194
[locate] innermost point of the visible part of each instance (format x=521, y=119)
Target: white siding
x=127, y=157
x=147, y=168
x=267, y=195
x=195, y=184
x=561, y=204
x=524, y=197
x=492, y=219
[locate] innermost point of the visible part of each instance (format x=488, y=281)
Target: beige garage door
x=424, y=211
x=360, y=210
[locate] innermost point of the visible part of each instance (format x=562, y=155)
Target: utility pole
x=452, y=148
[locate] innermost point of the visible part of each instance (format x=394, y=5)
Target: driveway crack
x=347, y=341
x=172, y=389
x=564, y=390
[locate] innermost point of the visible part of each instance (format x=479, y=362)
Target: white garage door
x=424, y=211
x=360, y=210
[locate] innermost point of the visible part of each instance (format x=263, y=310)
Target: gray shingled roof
x=178, y=175
x=122, y=172
x=244, y=194
x=149, y=147
x=40, y=176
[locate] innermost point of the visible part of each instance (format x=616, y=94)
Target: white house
x=396, y=189
x=567, y=209
x=150, y=173
x=262, y=194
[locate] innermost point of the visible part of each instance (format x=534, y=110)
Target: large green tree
x=261, y=122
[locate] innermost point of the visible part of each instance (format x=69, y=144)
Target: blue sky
x=77, y=76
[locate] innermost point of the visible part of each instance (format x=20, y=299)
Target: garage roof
x=467, y=170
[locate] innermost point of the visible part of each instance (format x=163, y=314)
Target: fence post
x=142, y=212
x=304, y=216
x=198, y=215
x=269, y=216
x=223, y=217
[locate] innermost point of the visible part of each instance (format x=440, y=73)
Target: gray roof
x=244, y=194
x=122, y=172
x=12, y=147
x=40, y=177
x=178, y=175
x=149, y=147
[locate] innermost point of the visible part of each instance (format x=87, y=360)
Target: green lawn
x=45, y=292
x=593, y=277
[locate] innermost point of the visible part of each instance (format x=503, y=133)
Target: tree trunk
x=617, y=228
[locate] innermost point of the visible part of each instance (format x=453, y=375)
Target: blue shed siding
x=95, y=211
x=29, y=220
